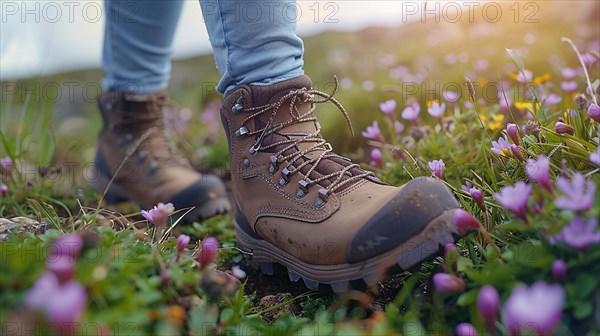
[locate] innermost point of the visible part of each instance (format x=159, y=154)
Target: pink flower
x=411, y=112
x=553, y=99
x=488, y=304
x=515, y=198
x=376, y=158
x=466, y=329
x=595, y=157
x=513, y=132
x=63, y=304
x=516, y=151
x=568, y=86
x=588, y=59
x=210, y=246
x=537, y=308
x=7, y=164
x=398, y=127
x=568, y=73
x=437, y=110
x=477, y=196
x=388, y=107
x=437, y=167
x=502, y=146
x=63, y=266
x=594, y=112
x=69, y=244
x=559, y=270
x=577, y=194
x=3, y=189
x=579, y=234
x=449, y=247
x=159, y=215
x=562, y=128
x=524, y=76
x=451, y=96
x=539, y=171
x=465, y=222
x=182, y=242
x=448, y=283
x=373, y=132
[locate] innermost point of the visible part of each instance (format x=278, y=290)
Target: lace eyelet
x=246, y=163
x=283, y=182
x=237, y=108
x=322, y=199
x=241, y=132
x=152, y=168
x=300, y=193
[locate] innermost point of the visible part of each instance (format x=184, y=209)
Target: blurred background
x=50, y=57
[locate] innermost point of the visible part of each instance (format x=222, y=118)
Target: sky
x=39, y=38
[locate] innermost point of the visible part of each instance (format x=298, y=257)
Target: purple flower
x=182, y=242
x=537, y=308
x=568, y=73
x=594, y=112
x=3, y=189
x=568, y=86
x=448, y=283
x=465, y=222
x=451, y=96
x=449, y=247
x=437, y=166
x=539, y=171
x=437, y=110
x=595, y=157
x=502, y=146
x=516, y=151
x=588, y=59
x=513, y=132
x=515, y=198
x=69, y=244
x=388, y=107
x=488, y=304
x=466, y=187
x=579, y=234
x=159, y=215
x=553, y=99
x=63, y=304
x=562, y=128
x=577, y=197
x=398, y=127
x=524, y=76
x=376, y=158
x=477, y=196
x=63, y=266
x=210, y=246
x=559, y=270
x=7, y=164
x=238, y=272
x=466, y=329
x=373, y=132
x=411, y=112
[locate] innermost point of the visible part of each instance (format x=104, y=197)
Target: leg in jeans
x=138, y=38
x=137, y=46
x=254, y=42
x=297, y=202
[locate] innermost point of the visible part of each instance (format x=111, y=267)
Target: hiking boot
x=300, y=205
x=133, y=145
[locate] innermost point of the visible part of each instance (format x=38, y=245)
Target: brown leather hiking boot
x=318, y=214
x=151, y=172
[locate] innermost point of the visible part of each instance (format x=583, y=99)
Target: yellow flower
x=495, y=126
x=498, y=117
x=483, y=118
x=542, y=79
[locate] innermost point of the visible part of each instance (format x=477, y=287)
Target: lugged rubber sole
x=118, y=194
x=438, y=232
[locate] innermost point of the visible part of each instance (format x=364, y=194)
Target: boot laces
x=318, y=144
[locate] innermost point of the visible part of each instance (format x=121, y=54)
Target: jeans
x=254, y=42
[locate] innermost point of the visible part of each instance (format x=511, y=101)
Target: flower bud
x=6, y=164
x=488, y=304
x=465, y=222
x=182, y=242
x=397, y=153
x=581, y=102
x=513, y=132
x=559, y=270
x=3, y=189
x=449, y=247
x=477, y=196
x=562, y=128
x=448, y=283
x=516, y=151
x=69, y=244
x=465, y=329
x=62, y=266
x=594, y=112
x=210, y=246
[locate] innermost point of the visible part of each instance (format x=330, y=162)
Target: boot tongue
x=263, y=95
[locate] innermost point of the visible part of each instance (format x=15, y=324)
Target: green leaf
x=467, y=298
x=582, y=310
